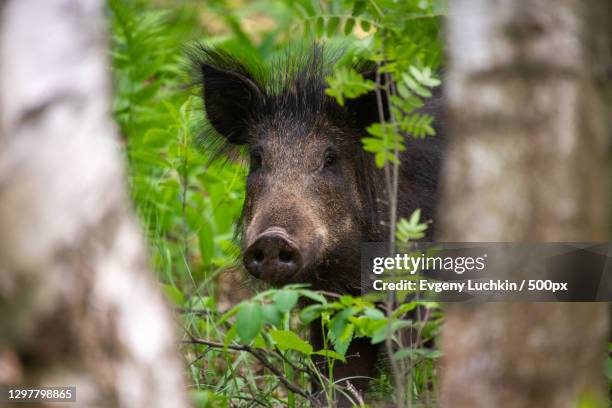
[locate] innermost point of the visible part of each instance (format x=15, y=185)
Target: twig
x=255, y=353
x=254, y=400
x=353, y=391
x=329, y=294
x=200, y=312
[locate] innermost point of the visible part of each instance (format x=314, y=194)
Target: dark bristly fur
x=289, y=125
x=294, y=85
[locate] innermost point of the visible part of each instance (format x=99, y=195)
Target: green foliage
x=386, y=141
x=187, y=205
x=347, y=83
x=401, y=38
x=343, y=319
x=288, y=340
x=411, y=229
x=249, y=321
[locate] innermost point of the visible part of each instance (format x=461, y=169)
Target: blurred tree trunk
x=78, y=304
x=528, y=161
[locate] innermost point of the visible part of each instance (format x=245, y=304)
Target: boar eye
x=330, y=158
x=256, y=159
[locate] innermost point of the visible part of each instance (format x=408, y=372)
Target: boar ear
x=365, y=108
x=230, y=100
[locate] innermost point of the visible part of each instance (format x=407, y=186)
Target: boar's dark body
x=313, y=194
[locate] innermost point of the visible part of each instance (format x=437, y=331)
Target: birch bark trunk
x=528, y=160
x=78, y=304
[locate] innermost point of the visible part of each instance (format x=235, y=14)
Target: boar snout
x=273, y=256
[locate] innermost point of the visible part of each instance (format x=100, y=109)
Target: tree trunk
x=78, y=304
x=528, y=160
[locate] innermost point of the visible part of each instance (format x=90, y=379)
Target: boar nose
x=273, y=256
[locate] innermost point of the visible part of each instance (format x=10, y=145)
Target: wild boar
x=313, y=195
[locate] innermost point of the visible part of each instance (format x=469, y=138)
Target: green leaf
x=249, y=321
x=369, y=326
x=403, y=90
x=342, y=344
x=347, y=83
x=380, y=159
x=348, y=26
x=416, y=87
x=285, y=300
x=381, y=334
x=272, y=315
x=424, y=77
x=372, y=145
x=288, y=340
x=332, y=26
x=260, y=342
x=320, y=27
x=347, y=300
x=373, y=313
x=415, y=217
x=365, y=25
x=313, y=295
x=359, y=7
x=339, y=322
x=390, y=140
x=206, y=243
x=404, y=308
x=329, y=354
x=412, y=229
x=310, y=313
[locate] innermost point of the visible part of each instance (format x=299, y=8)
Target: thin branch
x=252, y=399
x=353, y=391
x=201, y=312
x=329, y=294
x=258, y=355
